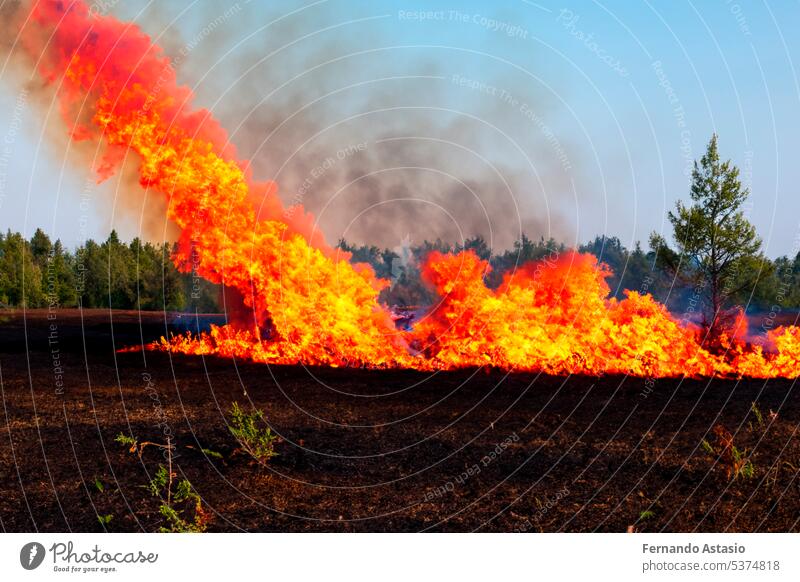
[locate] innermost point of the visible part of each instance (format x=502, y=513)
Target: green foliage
x=105, y=519
x=748, y=470
x=524, y=251
x=652, y=271
x=139, y=275
x=177, y=524
x=184, y=494
x=20, y=276
x=759, y=416
x=174, y=505
x=743, y=466
x=257, y=442
x=159, y=481
x=380, y=260
x=718, y=251
x=143, y=275
x=212, y=454
x=126, y=441
x=646, y=514
x=631, y=269
x=477, y=245
x=734, y=461
x=184, y=491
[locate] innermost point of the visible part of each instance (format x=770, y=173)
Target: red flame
x=313, y=307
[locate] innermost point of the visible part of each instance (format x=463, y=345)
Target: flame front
x=314, y=307
x=310, y=305
x=554, y=316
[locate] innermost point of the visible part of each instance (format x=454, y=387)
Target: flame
x=553, y=316
x=314, y=307
x=310, y=305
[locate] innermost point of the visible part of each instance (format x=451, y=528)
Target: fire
x=310, y=305
x=555, y=318
x=313, y=307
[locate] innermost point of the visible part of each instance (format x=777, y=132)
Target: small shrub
x=256, y=442
x=759, y=417
x=735, y=461
x=173, y=505
x=748, y=470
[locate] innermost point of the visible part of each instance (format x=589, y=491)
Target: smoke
x=378, y=141
x=118, y=200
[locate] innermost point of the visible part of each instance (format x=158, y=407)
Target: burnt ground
x=376, y=450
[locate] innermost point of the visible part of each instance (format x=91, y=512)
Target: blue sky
x=595, y=110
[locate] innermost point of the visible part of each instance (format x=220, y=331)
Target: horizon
x=413, y=244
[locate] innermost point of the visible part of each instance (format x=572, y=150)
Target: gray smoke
x=378, y=142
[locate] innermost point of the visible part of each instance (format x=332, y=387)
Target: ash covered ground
x=375, y=450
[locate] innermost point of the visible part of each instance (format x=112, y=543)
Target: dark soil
x=381, y=450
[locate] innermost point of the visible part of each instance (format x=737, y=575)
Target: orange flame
x=553, y=317
x=313, y=307
x=316, y=308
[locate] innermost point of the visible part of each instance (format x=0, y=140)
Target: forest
x=39, y=272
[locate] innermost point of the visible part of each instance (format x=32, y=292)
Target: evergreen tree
x=718, y=251
x=20, y=276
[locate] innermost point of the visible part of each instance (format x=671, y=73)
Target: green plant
x=134, y=446
x=127, y=441
x=160, y=480
x=173, y=505
x=716, y=243
x=646, y=514
x=209, y=453
x=256, y=442
x=103, y=519
x=748, y=470
x=212, y=454
x=742, y=465
x=758, y=416
x=736, y=462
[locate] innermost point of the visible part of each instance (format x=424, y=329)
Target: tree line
x=110, y=274
x=141, y=275
x=636, y=269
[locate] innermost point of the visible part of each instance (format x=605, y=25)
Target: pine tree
x=718, y=251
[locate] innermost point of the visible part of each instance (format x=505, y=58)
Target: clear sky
x=570, y=119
